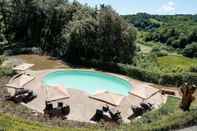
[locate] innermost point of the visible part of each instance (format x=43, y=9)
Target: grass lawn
x=42, y=62
x=175, y=61
x=16, y=124
x=146, y=47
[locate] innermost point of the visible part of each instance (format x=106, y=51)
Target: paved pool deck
x=82, y=107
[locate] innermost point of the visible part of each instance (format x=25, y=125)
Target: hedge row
x=176, y=79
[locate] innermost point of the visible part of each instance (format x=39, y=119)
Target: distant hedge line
x=176, y=79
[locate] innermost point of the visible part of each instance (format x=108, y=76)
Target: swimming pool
x=88, y=81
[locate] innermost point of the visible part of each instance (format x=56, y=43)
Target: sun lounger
x=22, y=96
x=20, y=81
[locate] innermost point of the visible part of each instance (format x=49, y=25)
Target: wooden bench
x=167, y=92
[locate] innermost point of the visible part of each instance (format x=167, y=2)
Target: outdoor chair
x=167, y=92
x=48, y=109
x=65, y=111
x=21, y=91
x=97, y=116
x=105, y=108
x=116, y=117
x=146, y=107
x=60, y=111
x=140, y=110
x=107, y=115
x=15, y=99
x=29, y=97
x=137, y=111
x=59, y=104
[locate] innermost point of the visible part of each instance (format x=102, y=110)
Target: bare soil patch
x=42, y=62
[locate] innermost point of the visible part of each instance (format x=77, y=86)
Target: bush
x=190, y=50
x=2, y=59
x=171, y=79
x=138, y=73
x=193, y=69
x=158, y=51
x=6, y=72
x=158, y=77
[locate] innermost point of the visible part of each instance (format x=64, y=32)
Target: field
x=175, y=61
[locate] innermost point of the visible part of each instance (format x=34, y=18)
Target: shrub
x=162, y=53
x=158, y=77
x=2, y=58
x=193, y=69
x=158, y=51
x=139, y=73
x=6, y=72
x=190, y=50
x=171, y=79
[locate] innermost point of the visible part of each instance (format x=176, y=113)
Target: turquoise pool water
x=88, y=81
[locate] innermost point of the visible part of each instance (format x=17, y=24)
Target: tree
x=190, y=50
x=82, y=36
x=116, y=38
x=193, y=35
x=187, y=91
x=69, y=30
x=103, y=36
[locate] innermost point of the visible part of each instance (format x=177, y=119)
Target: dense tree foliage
x=190, y=50
x=105, y=37
x=68, y=30
x=143, y=21
x=176, y=31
